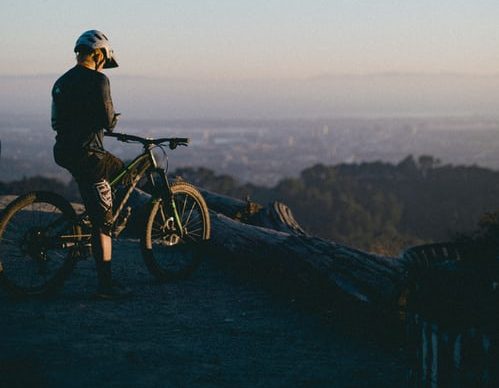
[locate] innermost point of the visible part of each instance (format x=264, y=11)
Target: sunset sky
x=258, y=38
x=219, y=43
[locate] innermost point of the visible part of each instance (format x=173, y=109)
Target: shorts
x=93, y=174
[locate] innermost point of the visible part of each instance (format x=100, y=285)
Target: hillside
x=377, y=206
x=380, y=207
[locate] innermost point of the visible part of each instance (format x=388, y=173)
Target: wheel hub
x=33, y=244
x=171, y=236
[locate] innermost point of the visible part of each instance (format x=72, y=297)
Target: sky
x=260, y=48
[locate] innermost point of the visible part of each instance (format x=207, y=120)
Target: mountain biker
x=82, y=109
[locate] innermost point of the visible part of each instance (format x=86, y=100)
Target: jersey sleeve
x=107, y=113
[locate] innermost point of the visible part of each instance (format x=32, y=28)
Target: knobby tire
x=30, y=265
x=167, y=255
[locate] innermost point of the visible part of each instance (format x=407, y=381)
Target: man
x=81, y=110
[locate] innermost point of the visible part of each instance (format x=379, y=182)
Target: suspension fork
x=164, y=192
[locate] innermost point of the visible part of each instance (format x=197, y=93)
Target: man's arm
x=108, y=116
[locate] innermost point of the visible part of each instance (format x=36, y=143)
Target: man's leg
x=97, y=196
x=107, y=288
x=106, y=244
x=98, y=201
x=102, y=233
x=102, y=249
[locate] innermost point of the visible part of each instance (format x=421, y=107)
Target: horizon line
x=317, y=77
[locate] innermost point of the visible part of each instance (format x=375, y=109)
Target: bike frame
x=161, y=189
x=156, y=176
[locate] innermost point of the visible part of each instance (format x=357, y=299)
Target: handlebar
x=173, y=142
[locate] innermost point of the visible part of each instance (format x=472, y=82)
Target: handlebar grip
x=176, y=141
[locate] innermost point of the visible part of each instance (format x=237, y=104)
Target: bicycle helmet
x=94, y=39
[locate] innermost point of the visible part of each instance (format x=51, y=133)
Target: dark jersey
x=81, y=109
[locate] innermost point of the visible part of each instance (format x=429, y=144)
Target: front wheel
x=33, y=259
x=171, y=254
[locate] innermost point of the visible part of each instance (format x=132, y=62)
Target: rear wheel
x=168, y=253
x=33, y=259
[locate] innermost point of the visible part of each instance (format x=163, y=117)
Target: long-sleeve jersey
x=81, y=109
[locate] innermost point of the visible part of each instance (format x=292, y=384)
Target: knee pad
x=103, y=194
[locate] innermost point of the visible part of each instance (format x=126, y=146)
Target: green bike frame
x=146, y=163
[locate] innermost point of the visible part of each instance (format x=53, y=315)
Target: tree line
x=377, y=206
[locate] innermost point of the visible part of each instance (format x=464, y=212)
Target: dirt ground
x=213, y=330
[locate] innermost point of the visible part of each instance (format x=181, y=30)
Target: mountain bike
x=42, y=236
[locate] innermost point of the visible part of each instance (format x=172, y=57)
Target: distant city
x=264, y=151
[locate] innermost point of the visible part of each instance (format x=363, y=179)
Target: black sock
x=103, y=268
x=104, y=273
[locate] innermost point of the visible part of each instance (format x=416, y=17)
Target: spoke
x=13, y=236
x=60, y=254
x=9, y=241
x=161, y=211
x=18, y=255
x=197, y=232
x=158, y=234
x=194, y=236
x=195, y=223
x=19, y=224
x=16, y=230
x=185, y=204
x=12, y=224
x=33, y=274
x=158, y=231
x=41, y=270
x=190, y=213
x=158, y=225
x=59, y=221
